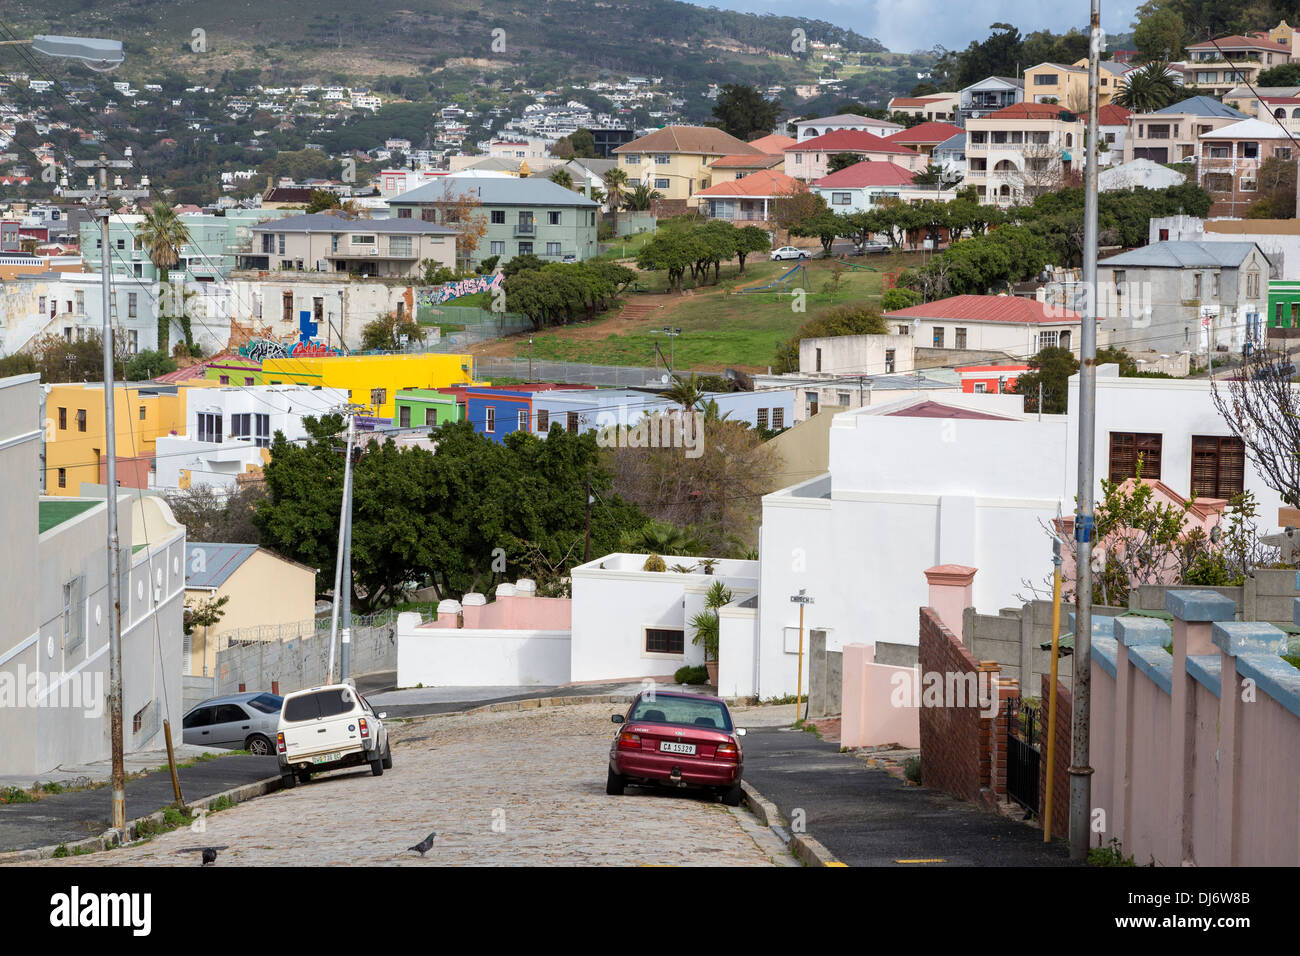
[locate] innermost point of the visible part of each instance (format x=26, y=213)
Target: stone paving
x=508, y=788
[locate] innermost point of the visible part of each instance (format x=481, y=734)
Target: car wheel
x=288, y=781
x=388, y=758
x=802, y=256
x=615, y=783
x=733, y=795
x=259, y=745
x=304, y=776
x=377, y=766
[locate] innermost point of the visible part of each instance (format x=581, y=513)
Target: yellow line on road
x=935, y=860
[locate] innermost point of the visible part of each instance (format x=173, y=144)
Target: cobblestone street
x=505, y=788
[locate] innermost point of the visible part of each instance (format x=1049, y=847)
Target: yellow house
x=265, y=591
x=1066, y=84
x=373, y=380
x=75, y=436
x=674, y=161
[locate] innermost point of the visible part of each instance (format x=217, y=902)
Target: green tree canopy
x=743, y=111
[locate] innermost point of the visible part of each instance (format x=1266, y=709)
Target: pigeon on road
x=209, y=855
x=424, y=845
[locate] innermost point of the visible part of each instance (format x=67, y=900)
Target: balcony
x=525, y=230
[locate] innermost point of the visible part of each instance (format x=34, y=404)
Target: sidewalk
x=75, y=815
x=868, y=817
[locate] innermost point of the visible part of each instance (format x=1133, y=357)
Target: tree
x=837, y=161
x=162, y=234
x=149, y=364
x=750, y=239
x=640, y=198
x=673, y=251
x=1149, y=89
x=1287, y=74
x=321, y=200
x=615, y=186
x=59, y=360
x=385, y=333
x=823, y=225
x=683, y=392
x=580, y=144
x=1159, y=33
x=462, y=212
x=662, y=537
x=1051, y=369
x=561, y=177
x=743, y=111
x=1276, y=182
x=793, y=204
x=522, y=262
x=212, y=514
x=1262, y=408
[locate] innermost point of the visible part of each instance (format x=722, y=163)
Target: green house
x=1284, y=304
x=425, y=406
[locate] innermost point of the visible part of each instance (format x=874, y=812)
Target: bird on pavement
x=424, y=845
x=209, y=855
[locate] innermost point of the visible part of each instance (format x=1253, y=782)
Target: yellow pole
x=798, y=697
x=1051, y=693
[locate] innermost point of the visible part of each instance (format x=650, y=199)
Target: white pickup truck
x=329, y=728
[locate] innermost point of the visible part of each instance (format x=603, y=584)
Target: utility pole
x=1080, y=770
x=586, y=550
x=343, y=588
x=97, y=196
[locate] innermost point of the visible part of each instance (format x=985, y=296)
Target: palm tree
x=640, y=198
x=1149, y=89
x=561, y=177
x=615, y=187
x=162, y=234
x=684, y=392
x=661, y=537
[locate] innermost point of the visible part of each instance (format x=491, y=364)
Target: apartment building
x=318, y=242
x=1066, y=84
x=1021, y=151
x=1229, y=158
x=1172, y=134
x=990, y=95
x=674, y=161
x=810, y=129
x=1218, y=66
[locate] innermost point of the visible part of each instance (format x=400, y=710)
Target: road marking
x=935, y=860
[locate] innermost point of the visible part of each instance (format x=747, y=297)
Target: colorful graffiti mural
x=440, y=294
x=305, y=346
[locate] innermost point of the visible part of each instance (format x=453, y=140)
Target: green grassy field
x=720, y=326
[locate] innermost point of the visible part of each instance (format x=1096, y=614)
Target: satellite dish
x=664, y=378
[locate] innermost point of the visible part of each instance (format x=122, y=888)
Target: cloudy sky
x=906, y=25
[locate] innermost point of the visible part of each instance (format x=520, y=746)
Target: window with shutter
x=1218, y=466
x=1126, y=447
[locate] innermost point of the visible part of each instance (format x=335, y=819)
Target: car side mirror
x=740, y=731
x=382, y=716
x=616, y=719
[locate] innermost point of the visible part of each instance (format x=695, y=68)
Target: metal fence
x=575, y=372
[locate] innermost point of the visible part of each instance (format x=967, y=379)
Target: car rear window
x=322, y=703
x=709, y=714
x=267, y=703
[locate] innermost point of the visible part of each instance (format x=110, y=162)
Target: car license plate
x=672, y=747
x=326, y=758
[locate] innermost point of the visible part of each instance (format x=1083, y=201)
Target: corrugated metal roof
x=209, y=565
x=322, y=222
x=850, y=140
x=1182, y=254
x=991, y=308
x=1202, y=106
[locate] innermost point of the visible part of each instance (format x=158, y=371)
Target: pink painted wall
x=868, y=713
x=952, y=590
x=512, y=612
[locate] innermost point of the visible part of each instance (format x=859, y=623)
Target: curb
x=806, y=849
x=110, y=838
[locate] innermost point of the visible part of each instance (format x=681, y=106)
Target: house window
x=543, y=420
x=360, y=239
x=665, y=640
x=525, y=248
x=428, y=215
x=81, y=419
x=632, y=159
x=762, y=418
x=40, y=304
x=553, y=217
x=889, y=360
x=81, y=302
x=404, y=416
x=404, y=214
x=1047, y=340
x=209, y=426
x=1127, y=447
x=225, y=379
x=843, y=399
x=840, y=199
x=280, y=237
x=981, y=388
x=1218, y=466
x=662, y=159
x=937, y=339
x=960, y=338
x=819, y=360
x=286, y=304
x=1196, y=285
x=810, y=402
x=661, y=184
x=143, y=412
x=1045, y=79
x=571, y=422
x=498, y=247
x=131, y=299
x=523, y=421
x=378, y=396
x=63, y=419
x=248, y=380
x=1252, y=285
x=778, y=418
x=552, y=248
x=491, y=424
x=63, y=477
x=399, y=246
x=498, y=217
x=74, y=628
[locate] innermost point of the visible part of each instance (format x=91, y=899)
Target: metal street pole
x=586, y=549
x=1080, y=770
x=802, y=600
x=339, y=558
x=345, y=653
x=97, y=196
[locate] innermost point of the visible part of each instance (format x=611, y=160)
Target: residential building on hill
x=674, y=161
x=810, y=159
x=1218, y=66
x=1172, y=134
x=318, y=242
x=810, y=129
x=990, y=95
x=1004, y=323
x=1229, y=159
x=1021, y=151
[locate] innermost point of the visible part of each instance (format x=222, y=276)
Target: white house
x=810, y=129
x=633, y=623
x=228, y=431
x=862, y=186
x=1003, y=323
x=70, y=304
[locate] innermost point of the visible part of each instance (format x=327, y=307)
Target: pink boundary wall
x=1197, y=775
x=515, y=608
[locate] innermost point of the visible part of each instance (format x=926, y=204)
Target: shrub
x=654, y=563
x=691, y=675
x=912, y=769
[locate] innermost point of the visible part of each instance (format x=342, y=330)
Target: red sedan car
x=682, y=740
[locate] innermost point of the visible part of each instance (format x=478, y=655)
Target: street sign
x=801, y=599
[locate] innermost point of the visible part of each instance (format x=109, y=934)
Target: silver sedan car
x=235, y=722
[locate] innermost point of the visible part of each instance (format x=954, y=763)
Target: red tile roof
x=1113, y=114
x=933, y=409
x=748, y=161
x=768, y=182
x=849, y=140
x=930, y=131
x=774, y=143
x=988, y=308
x=197, y=370
x=868, y=173
x=1027, y=111
x=1240, y=42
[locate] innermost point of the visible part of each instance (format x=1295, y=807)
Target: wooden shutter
x=1125, y=447
x=1218, y=466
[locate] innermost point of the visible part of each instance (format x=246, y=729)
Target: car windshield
x=690, y=711
x=324, y=703
x=267, y=703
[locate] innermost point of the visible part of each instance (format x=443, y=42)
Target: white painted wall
x=465, y=657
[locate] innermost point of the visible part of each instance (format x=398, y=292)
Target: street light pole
x=1080, y=770
x=97, y=196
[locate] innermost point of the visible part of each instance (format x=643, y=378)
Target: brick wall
x=962, y=752
x=1061, y=776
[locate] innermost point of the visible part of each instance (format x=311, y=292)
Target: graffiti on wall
x=439, y=294
x=304, y=346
